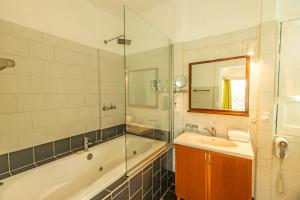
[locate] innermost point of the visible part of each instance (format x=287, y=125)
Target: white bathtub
x=76, y=178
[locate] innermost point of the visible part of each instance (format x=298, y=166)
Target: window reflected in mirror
x=220, y=86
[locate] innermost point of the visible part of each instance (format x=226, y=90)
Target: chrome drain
x=134, y=152
x=89, y=156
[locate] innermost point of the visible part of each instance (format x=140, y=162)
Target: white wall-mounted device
x=281, y=148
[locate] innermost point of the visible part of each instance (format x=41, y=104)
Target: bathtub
x=77, y=178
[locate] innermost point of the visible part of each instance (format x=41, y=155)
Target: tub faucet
x=211, y=130
x=86, y=143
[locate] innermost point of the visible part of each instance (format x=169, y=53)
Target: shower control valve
x=105, y=108
x=111, y=107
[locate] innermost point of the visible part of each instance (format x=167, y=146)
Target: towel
x=238, y=135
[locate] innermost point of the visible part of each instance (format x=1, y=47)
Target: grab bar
x=195, y=90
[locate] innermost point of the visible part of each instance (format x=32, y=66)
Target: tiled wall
x=265, y=102
x=267, y=164
x=147, y=132
x=149, y=183
x=51, y=93
x=158, y=118
x=262, y=100
x=19, y=161
x=220, y=46
x=112, y=89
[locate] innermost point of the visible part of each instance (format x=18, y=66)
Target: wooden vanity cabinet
x=191, y=179
x=205, y=175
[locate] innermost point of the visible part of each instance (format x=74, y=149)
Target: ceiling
x=115, y=7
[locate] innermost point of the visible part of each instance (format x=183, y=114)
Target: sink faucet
x=211, y=130
x=86, y=144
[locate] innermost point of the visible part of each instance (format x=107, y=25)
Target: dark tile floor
x=170, y=195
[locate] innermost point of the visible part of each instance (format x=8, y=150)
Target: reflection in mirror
x=142, y=87
x=220, y=86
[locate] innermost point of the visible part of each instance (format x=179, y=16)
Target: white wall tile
x=76, y=127
x=44, y=118
x=29, y=138
x=55, y=101
x=15, y=122
x=56, y=132
x=64, y=55
x=54, y=40
x=75, y=100
x=5, y=26
x=14, y=84
x=8, y=103
x=41, y=50
x=13, y=45
x=54, y=69
x=29, y=66
x=27, y=33
x=30, y=102
x=43, y=85
x=66, y=115
x=51, y=93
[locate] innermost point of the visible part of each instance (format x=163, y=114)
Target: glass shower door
x=147, y=75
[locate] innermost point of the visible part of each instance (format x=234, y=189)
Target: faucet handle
x=87, y=140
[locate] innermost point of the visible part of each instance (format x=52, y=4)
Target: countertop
x=234, y=148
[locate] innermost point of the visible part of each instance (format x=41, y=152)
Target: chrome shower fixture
x=5, y=62
x=120, y=40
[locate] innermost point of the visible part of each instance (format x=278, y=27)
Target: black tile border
x=30, y=158
x=135, y=183
x=151, y=133
x=16, y=162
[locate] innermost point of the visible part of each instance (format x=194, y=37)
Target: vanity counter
x=215, y=144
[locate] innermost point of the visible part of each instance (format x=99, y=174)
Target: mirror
x=142, y=87
x=220, y=86
x=180, y=81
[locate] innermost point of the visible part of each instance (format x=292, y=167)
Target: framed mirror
x=220, y=86
x=142, y=87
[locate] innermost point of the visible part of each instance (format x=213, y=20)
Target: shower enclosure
x=148, y=86
x=73, y=93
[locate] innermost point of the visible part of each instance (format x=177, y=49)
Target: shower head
x=124, y=41
x=120, y=40
x=5, y=62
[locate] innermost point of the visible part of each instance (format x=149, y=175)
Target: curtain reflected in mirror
x=220, y=85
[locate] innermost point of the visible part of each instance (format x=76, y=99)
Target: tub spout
x=86, y=143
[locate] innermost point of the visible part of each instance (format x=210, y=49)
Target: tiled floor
x=169, y=196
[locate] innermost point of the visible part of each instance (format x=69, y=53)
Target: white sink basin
x=215, y=144
x=214, y=141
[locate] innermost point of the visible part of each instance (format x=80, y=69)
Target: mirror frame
x=219, y=111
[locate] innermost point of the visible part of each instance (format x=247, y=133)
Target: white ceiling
x=115, y=7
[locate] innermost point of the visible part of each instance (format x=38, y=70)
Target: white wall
x=76, y=20
x=162, y=18
x=289, y=9
x=208, y=18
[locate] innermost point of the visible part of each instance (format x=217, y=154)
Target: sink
x=214, y=141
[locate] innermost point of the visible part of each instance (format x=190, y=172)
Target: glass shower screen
x=147, y=75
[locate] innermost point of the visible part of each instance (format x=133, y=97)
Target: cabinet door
x=229, y=178
x=191, y=174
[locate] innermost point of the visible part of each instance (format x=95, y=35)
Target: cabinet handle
x=209, y=158
x=205, y=158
